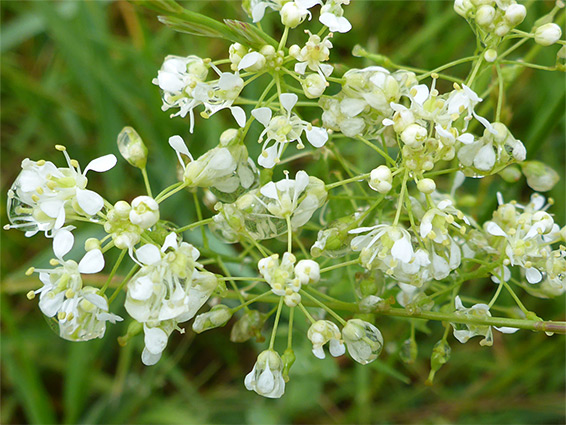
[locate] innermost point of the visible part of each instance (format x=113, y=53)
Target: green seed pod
x=132, y=148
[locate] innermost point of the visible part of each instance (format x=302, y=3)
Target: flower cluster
x=384, y=207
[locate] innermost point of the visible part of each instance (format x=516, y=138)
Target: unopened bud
x=132, y=148
x=426, y=186
x=217, y=317
x=548, y=34
x=515, y=14
x=490, y=55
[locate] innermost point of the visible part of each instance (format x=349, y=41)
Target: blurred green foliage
x=76, y=72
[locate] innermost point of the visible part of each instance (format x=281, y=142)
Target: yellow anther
x=39, y=190
x=506, y=262
x=434, y=75
x=70, y=316
x=69, y=293
x=450, y=219
x=54, y=262
x=528, y=264
x=30, y=271
x=550, y=201
x=457, y=86
x=30, y=295
x=74, y=163
x=40, y=163
x=51, y=184
x=432, y=235
x=61, y=315
x=60, y=148
x=35, y=198
x=463, y=230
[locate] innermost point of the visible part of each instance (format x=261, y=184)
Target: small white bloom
x=331, y=15
x=144, y=212
x=266, y=377
x=324, y=331
x=308, y=271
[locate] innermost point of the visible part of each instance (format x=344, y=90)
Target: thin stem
x=337, y=266
x=199, y=216
x=276, y=324
x=323, y=306
x=346, y=181
x=378, y=150
x=121, y=286
x=290, y=334
x=401, y=198
x=250, y=301
x=162, y=198
x=113, y=272
x=307, y=314
x=500, y=93
x=146, y=182
x=195, y=224
x=289, y=234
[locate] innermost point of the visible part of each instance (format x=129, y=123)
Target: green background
x=75, y=73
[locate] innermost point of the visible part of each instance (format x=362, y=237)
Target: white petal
x=336, y=348
x=177, y=143
x=268, y=157
x=170, y=242
x=263, y=115
x=533, y=275
x=494, y=229
x=155, y=340
x=269, y=190
x=62, y=243
x=326, y=69
x=258, y=11
x=422, y=93
x=104, y=163
x=300, y=67
x=249, y=60
x=318, y=352
x=466, y=138
x=288, y=101
x=51, y=208
x=317, y=136
x=239, y=115
x=97, y=300
x=92, y=262
x=148, y=254
x=402, y=250
x=485, y=158
x=141, y=288
x=148, y=358
x=89, y=201
x=506, y=329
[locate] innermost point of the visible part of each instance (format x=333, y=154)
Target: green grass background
x=75, y=73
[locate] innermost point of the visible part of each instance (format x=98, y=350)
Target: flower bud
x=288, y=361
x=236, y=52
x=463, y=7
x=515, y=14
x=440, y=356
x=313, y=86
x=364, y=340
x=217, y=317
x=380, y=179
x=426, y=186
x=132, y=148
x=490, y=55
x=122, y=209
x=409, y=351
x=511, y=174
x=92, y=244
x=414, y=135
x=247, y=326
x=548, y=34
x=291, y=15
x=485, y=15
x=540, y=177
x=144, y=212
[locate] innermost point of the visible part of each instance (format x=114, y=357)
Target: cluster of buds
x=492, y=17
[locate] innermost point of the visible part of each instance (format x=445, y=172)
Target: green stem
x=323, y=306
x=113, y=272
x=276, y=324
x=195, y=224
x=346, y=181
x=123, y=283
x=337, y=266
x=146, y=182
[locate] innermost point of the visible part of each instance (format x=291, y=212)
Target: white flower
x=280, y=276
x=464, y=100
x=331, y=15
x=384, y=243
x=285, y=128
x=155, y=339
x=315, y=51
x=43, y=195
x=83, y=317
x=463, y=332
x=178, y=78
x=308, y=271
x=296, y=198
x=64, y=282
x=324, y=331
x=169, y=285
x=220, y=94
x=144, y=212
x=266, y=377
x=364, y=340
